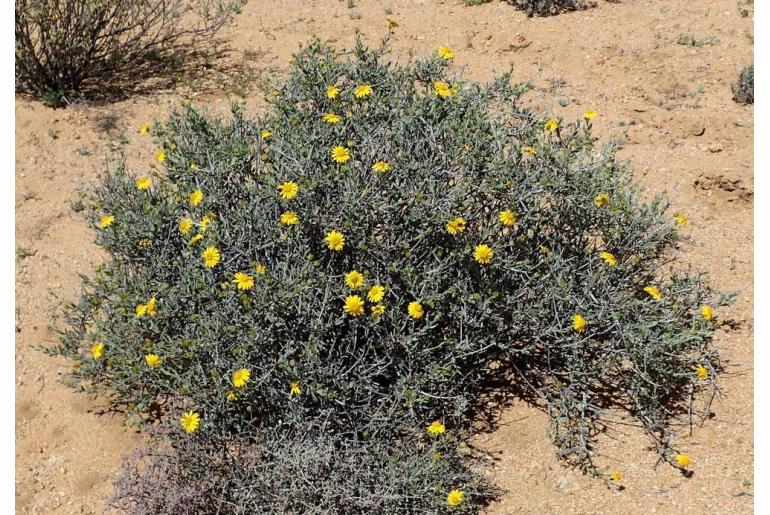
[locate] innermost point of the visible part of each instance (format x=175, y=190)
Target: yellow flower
x=354, y=279
x=681, y=219
x=616, y=476
x=145, y=243
x=153, y=360
x=456, y=226
x=653, y=292
x=455, y=498
x=446, y=53
x=206, y=221
x=289, y=218
x=231, y=395
x=193, y=166
x=701, y=371
x=185, y=225
x=241, y=377
x=589, y=115
x=143, y=183
x=376, y=293
x=106, y=221
x=190, y=421
x=415, y=310
x=160, y=155
x=144, y=128
x=381, y=167
x=707, y=312
x=436, y=428
x=682, y=460
x=196, y=239
x=335, y=240
x=340, y=154
x=483, y=254
x=609, y=258
x=550, y=125
x=294, y=388
x=579, y=323
x=196, y=197
x=244, y=281
x=97, y=350
x=266, y=134
x=529, y=150
x=543, y=249
x=150, y=307
x=364, y=90
x=354, y=305
x=378, y=310
x=443, y=89
x=507, y=217
x=332, y=92
x=211, y=257
x=260, y=268
x=331, y=118
x=602, y=200
x=288, y=190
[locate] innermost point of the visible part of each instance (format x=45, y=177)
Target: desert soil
x=670, y=102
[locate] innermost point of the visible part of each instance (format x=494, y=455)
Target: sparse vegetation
x=743, y=90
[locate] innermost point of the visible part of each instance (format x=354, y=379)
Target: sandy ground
x=684, y=134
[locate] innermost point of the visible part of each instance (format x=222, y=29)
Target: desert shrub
x=493, y=250
x=743, y=90
x=544, y=7
x=64, y=45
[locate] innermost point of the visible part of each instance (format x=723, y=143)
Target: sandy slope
x=685, y=134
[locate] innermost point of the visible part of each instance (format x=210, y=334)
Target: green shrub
x=743, y=90
x=537, y=268
x=64, y=45
x=544, y=7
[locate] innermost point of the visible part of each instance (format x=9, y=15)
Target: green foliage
x=353, y=439
x=743, y=90
x=544, y=7
x=64, y=45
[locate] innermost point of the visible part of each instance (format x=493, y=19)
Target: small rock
x=715, y=147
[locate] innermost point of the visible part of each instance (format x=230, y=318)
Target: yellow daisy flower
x=589, y=115
x=143, y=183
x=381, y=167
x=681, y=219
x=507, y=217
x=550, y=125
x=456, y=226
x=185, y=225
x=362, y=91
x=196, y=197
x=97, y=350
x=190, y=421
x=436, y=428
x=260, y=268
x=231, y=395
x=294, y=388
x=443, y=89
x=106, y=221
x=376, y=293
x=354, y=305
x=331, y=118
x=144, y=128
x=332, y=92
x=335, y=240
x=152, y=360
x=289, y=218
x=445, y=52
x=609, y=258
x=240, y=377
x=378, y=310
x=354, y=279
x=701, y=371
x=616, y=476
x=602, y=200
x=340, y=154
x=683, y=460
x=483, y=254
x=579, y=323
x=160, y=155
x=243, y=281
x=288, y=190
x=211, y=257
x=196, y=239
x=266, y=135
x=707, y=312
x=415, y=310
x=653, y=292
x=455, y=498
